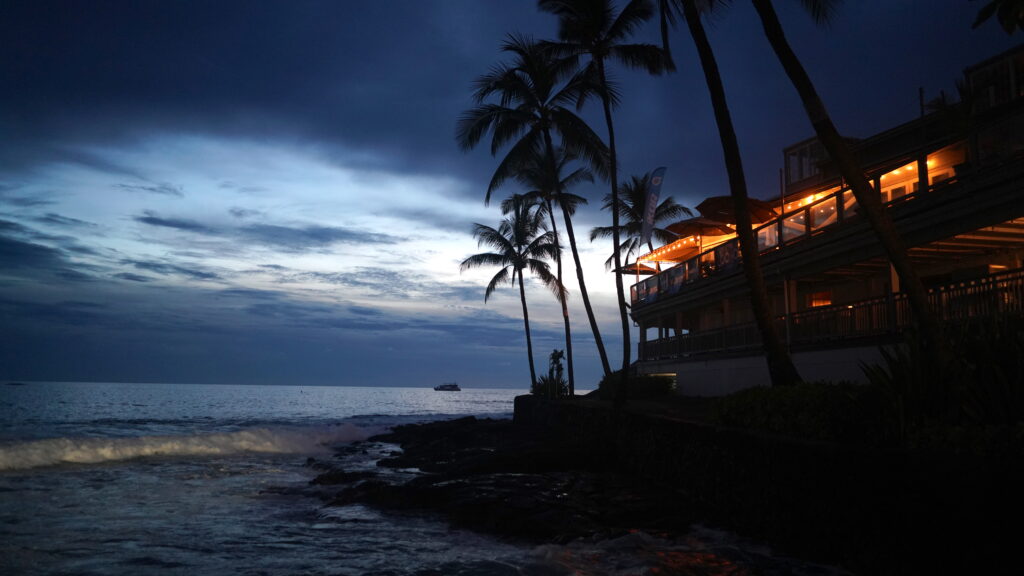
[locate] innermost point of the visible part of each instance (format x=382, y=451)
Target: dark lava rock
x=516, y=481
x=335, y=477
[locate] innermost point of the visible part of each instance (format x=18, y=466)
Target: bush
x=971, y=402
x=552, y=385
x=844, y=412
x=639, y=386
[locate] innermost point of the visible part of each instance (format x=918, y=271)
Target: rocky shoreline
x=567, y=472
x=518, y=482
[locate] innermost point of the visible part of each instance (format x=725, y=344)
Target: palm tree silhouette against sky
x=1009, y=14
x=534, y=93
x=592, y=28
x=780, y=364
x=520, y=243
x=867, y=197
x=632, y=201
x=542, y=176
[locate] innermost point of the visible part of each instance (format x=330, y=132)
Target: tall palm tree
x=780, y=364
x=592, y=28
x=542, y=175
x=849, y=168
x=1009, y=13
x=519, y=243
x=535, y=94
x=632, y=202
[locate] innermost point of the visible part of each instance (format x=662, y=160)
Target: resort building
x=953, y=182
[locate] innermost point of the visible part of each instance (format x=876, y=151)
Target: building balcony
x=960, y=212
x=871, y=321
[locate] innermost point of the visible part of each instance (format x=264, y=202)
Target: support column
x=789, y=303
x=922, y=173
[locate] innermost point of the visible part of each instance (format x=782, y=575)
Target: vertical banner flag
x=651, y=204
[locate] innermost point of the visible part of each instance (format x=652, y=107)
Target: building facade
x=953, y=183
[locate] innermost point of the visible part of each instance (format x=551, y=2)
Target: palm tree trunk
x=586, y=300
x=598, y=341
x=526, y=323
x=562, y=294
x=867, y=197
x=780, y=364
x=613, y=170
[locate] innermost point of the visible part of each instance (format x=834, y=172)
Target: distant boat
x=448, y=387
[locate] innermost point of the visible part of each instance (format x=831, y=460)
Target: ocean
x=111, y=479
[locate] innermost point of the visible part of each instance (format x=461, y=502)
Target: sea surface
x=102, y=478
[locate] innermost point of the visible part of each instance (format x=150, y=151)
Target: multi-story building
x=953, y=183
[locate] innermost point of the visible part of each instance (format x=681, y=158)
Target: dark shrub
x=971, y=402
x=845, y=412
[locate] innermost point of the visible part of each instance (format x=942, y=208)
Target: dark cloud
x=164, y=189
x=26, y=201
x=152, y=219
x=284, y=238
x=297, y=239
x=132, y=277
x=76, y=313
x=18, y=255
x=169, y=269
x=58, y=220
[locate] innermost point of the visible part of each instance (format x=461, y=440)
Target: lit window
x=817, y=299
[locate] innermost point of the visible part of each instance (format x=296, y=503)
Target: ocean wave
x=93, y=450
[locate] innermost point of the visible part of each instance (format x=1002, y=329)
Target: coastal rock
x=516, y=481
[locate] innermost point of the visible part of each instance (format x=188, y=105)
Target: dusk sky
x=270, y=192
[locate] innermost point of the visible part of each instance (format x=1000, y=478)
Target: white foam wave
x=53, y=451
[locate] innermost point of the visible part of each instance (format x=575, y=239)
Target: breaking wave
x=92, y=450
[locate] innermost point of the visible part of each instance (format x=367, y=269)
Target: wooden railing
x=988, y=297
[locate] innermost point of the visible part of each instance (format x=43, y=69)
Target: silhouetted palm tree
x=632, y=204
x=520, y=243
x=780, y=364
x=542, y=175
x=592, y=28
x=1010, y=14
x=867, y=197
x=534, y=94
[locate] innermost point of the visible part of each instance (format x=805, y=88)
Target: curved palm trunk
x=613, y=174
x=526, y=323
x=780, y=364
x=586, y=300
x=867, y=197
x=562, y=298
x=584, y=295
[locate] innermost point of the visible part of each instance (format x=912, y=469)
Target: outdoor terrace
x=961, y=212
x=871, y=320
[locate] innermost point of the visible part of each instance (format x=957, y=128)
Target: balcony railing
x=989, y=297
x=789, y=228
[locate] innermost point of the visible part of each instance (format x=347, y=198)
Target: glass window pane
x=767, y=237
x=850, y=207
x=794, y=226
x=823, y=213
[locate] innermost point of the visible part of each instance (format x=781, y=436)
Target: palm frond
x=822, y=11
x=640, y=56
x=632, y=16
x=502, y=277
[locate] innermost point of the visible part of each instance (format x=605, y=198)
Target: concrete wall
x=721, y=376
